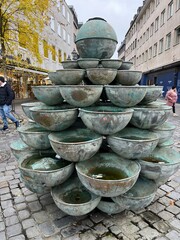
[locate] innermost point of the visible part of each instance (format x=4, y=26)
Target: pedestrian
x=171, y=98
x=6, y=97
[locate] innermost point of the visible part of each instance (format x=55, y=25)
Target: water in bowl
x=44, y=164
x=77, y=196
x=107, y=173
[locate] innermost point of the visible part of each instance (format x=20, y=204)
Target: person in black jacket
x=6, y=97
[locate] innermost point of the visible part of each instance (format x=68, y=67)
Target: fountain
x=90, y=151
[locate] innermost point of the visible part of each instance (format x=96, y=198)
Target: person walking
x=6, y=97
x=171, y=98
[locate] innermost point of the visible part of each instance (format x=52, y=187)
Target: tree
x=21, y=24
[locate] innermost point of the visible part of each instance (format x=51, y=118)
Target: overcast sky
x=118, y=13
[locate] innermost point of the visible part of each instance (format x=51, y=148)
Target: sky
x=118, y=13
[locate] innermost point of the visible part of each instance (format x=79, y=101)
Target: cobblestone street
x=26, y=215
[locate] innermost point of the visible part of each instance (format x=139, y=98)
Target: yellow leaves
x=25, y=21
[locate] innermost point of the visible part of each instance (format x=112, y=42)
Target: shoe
x=17, y=124
x=4, y=128
x=175, y=115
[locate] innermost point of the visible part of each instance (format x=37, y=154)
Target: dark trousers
x=173, y=107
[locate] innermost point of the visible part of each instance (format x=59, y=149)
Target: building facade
x=56, y=45
x=152, y=43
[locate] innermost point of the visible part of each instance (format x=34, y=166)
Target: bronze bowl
x=125, y=96
x=152, y=94
x=54, y=118
x=128, y=77
x=107, y=174
x=70, y=64
x=139, y=196
x=105, y=120
x=133, y=143
x=81, y=95
x=73, y=198
x=126, y=65
x=49, y=95
x=40, y=173
x=111, y=63
x=76, y=144
x=101, y=76
x=86, y=63
x=27, y=106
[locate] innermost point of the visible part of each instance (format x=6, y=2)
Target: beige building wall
x=153, y=39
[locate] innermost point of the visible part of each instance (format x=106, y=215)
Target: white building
x=152, y=43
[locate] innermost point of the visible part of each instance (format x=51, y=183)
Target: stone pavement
x=26, y=215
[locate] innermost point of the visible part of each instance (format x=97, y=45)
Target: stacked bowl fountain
x=97, y=118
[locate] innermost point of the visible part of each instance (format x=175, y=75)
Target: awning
x=31, y=71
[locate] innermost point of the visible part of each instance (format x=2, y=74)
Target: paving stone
x=173, y=235
x=88, y=223
x=9, y=173
x=173, y=209
x=174, y=195
x=161, y=226
x=9, y=212
x=115, y=230
x=100, y=229
x=96, y=217
x=74, y=237
x=161, y=238
x=47, y=229
x=6, y=204
x=14, y=186
x=142, y=224
x=14, y=230
x=173, y=184
x=21, y=206
x=27, y=223
x=40, y=217
x=35, y=206
x=64, y=222
x=23, y=214
x=166, y=188
x=3, y=184
x=19, y=199
x=150, y=217
x=70, y=231
x=57, y=214
x=16, y=192
x=165, y=215
x=19, y=237
x=26, y=191
x=165, y=201
x=52, y=208
x=56, y=237
x=3, y=236
x=11, y=220
x=149, y=233
x=2, y=226
x=161, y=193
x=129, y=229
x=4, y=190
x=156, y=207
x=5, y=197
x=32, y=232
x=175, y=223
x=88, y=235
x=109, y=238
x=47, y=200
x=31, y=198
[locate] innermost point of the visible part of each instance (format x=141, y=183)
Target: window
x=168, y=40
x=156, y=24
x=155, y=50
x=60, y=56
x=177, y=35
x=64, y=34
x=68, y=17
x=68, y=39
x=59, y=29
x=58, y=5
x=45, y=47
x=65, y=56
x=161, y=43
x=162, y=17
x=146, y=56
x=53, y=51
x=35, y=40
x=64, y=11
x=177, y=4
x=170, y=10
x=150, y=52
x=151, y=29
x=52, y=23
x=147, y=34
x=157, y=2
x=152, y=6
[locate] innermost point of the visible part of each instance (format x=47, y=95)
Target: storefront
x=22, y=80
